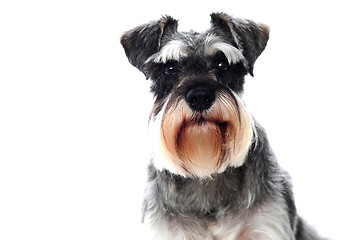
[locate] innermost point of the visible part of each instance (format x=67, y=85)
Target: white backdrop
x=73, y=112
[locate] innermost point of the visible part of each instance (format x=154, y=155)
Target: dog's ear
x=250, y=38
x=143, y=41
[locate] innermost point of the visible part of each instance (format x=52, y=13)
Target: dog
x=213, y=174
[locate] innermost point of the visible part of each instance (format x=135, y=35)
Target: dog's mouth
x=201, y=142
x=199, y=128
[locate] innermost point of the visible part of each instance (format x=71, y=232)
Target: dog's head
x=199, y=124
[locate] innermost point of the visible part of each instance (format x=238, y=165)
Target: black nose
x=200, y=98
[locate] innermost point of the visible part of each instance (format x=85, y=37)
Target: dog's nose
x=200, y=98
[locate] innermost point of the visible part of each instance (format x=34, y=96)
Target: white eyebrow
x=214, y=44
x=173, y=50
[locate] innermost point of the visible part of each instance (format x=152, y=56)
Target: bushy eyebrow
x=214, y=44
x=174, y=50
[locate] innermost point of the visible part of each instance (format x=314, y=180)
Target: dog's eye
x=170, y=69
x=222, y=65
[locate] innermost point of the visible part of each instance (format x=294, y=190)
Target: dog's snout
x=200, y=98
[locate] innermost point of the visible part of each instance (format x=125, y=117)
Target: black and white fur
x=213, y=175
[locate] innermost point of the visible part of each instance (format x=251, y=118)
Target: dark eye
x=170, y=69
x=222, y=65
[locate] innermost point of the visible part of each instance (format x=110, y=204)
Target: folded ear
x=143, y=41
x=250, y=38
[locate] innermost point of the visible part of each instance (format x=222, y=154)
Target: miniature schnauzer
x=213, y=175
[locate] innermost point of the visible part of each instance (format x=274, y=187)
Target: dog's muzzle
x=202, y=129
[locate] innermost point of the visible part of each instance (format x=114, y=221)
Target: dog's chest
x=225, y=229
x=184, y=209
x=266, y=223
x=228, y=229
